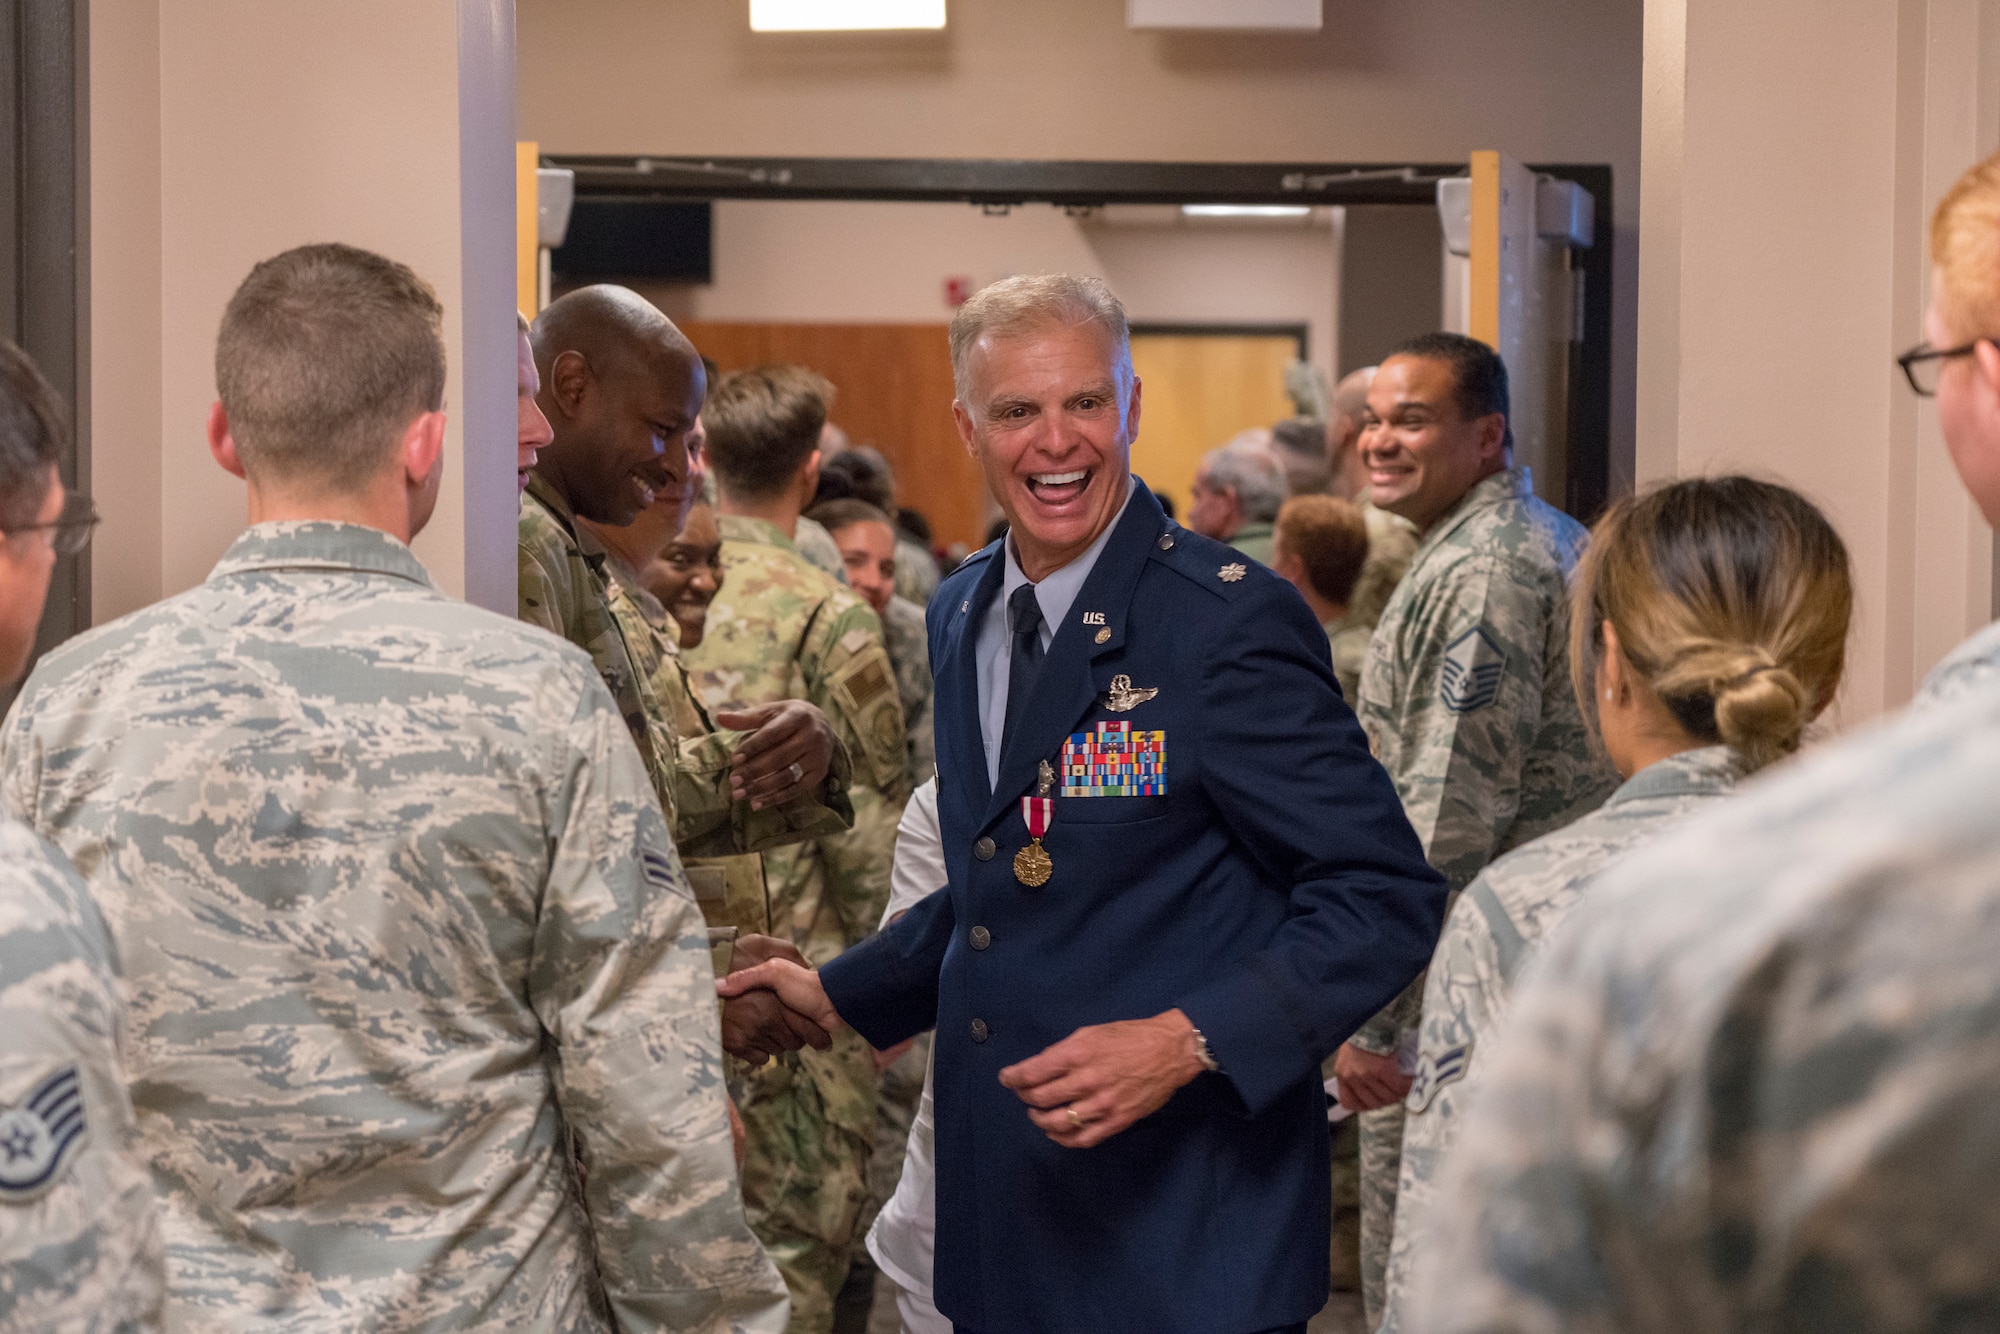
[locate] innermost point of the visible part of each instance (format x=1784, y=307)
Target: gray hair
x=1254, y=474
x=1033, y=301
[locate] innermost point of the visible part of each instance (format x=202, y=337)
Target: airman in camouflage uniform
x=406, y=935
x=910, y=653
x=812, y=541
x=1467, y=701
x=567, y=587
x=1502, y=918
x=1750, y=1085
x=79, y=1228
x=781, y=629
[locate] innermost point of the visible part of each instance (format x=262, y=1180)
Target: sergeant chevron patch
x=1472, y=667
x=40, y=1136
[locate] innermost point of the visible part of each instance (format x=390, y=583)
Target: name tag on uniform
x=1112, y=760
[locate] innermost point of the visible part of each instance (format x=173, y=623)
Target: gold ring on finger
x=1075, y=1119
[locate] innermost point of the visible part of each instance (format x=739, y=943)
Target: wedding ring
x=797, y=771
x=1075, y=1121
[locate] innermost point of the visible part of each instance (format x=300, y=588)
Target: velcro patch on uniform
x=1434, y=1071
x=40, y=1136
x=1112, y=760
x=869, y=682
x=1472, y=668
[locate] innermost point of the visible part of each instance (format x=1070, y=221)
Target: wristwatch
x=1202, y=1053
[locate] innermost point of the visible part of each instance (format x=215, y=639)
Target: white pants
x=919, y=1316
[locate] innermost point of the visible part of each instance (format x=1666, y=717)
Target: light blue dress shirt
x=992, y=650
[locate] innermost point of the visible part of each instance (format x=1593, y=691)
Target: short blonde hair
x=1731, y=598
x=1033, y=301
x=1965, y=248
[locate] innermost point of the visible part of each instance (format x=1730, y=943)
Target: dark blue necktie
x=1024, y=614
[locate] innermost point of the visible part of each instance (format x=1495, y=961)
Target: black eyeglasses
x=1922, y=363
x=70, y=532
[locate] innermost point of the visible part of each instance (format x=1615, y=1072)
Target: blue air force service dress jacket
x=1224, y=844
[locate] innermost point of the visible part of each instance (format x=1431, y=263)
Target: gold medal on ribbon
x=1032, y=866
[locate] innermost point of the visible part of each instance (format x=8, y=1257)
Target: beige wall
x=224, y=131
x=1791, y=160
x=1419, y=80
x=847, y=263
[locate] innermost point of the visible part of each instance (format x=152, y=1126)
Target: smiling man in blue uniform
x=1177, y=879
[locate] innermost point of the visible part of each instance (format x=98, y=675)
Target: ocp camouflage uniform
x=910, y=654
x=79, y=1227
x=780, y=629
x=719, y=838
x=1751, y=1083
x=410, y=953
x=564, y=587
x=1466, y=699
x=811, y=540
x=1499, y=922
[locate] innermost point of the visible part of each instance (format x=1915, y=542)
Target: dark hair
x=913, y=525
x=1731, y=598
x=858, y=473
x=1330, y=537
x=834, y=515
x=1479, y=377
x=762, y=426
x=326, y=353
x=33, y=429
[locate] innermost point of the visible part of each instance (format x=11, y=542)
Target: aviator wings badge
x=1122, y=698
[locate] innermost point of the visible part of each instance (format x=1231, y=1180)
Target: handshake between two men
x=1080, y=1092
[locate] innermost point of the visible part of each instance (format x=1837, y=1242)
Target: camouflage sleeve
x=849, y=676
x=1461, y=991
x=1468, y=707
x=80, y=1243
x=622, y=981
x=537, y=599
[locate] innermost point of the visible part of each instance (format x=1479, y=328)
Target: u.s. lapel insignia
x=1232, y=573
x=1122, y=698
x=39, y=1136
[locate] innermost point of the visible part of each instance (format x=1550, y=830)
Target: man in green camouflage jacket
x=1465, y=694
x=781, y=629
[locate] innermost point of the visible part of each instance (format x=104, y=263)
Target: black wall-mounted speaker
x=658, y=239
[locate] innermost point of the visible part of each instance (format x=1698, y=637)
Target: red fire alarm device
x=957, y=291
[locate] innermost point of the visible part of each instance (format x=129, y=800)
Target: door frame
x=997, y=183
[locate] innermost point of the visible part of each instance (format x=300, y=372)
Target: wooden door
x=894, y=392
x=1199, y=390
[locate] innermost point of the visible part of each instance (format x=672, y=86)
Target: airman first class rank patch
x=39, y=1136
x=1114, y=761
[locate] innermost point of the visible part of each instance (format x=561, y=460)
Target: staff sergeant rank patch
x=1114, y=761
x=40, y=1136
x=1472, y=667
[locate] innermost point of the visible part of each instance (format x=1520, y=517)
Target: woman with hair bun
x=1708, y=628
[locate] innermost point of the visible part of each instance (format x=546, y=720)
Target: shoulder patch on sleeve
x=869, y=682
x=1473, y=664
x=1434, y=1071
x=39, y=1136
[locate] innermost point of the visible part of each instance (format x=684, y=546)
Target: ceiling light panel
x=844, y=15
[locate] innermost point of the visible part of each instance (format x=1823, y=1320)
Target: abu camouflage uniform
x=780, y=629
x=916, y=572
x=1466, y=699
x=910, y=654
x=811, y=540
x=423, y=1026
x=1392, y=541
x=1750, y=1085
x=79, y=1228
x=1497, y=924
x=1971, y=667
x=566, y=588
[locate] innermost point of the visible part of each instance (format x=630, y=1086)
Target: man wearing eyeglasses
x=80, y=1243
